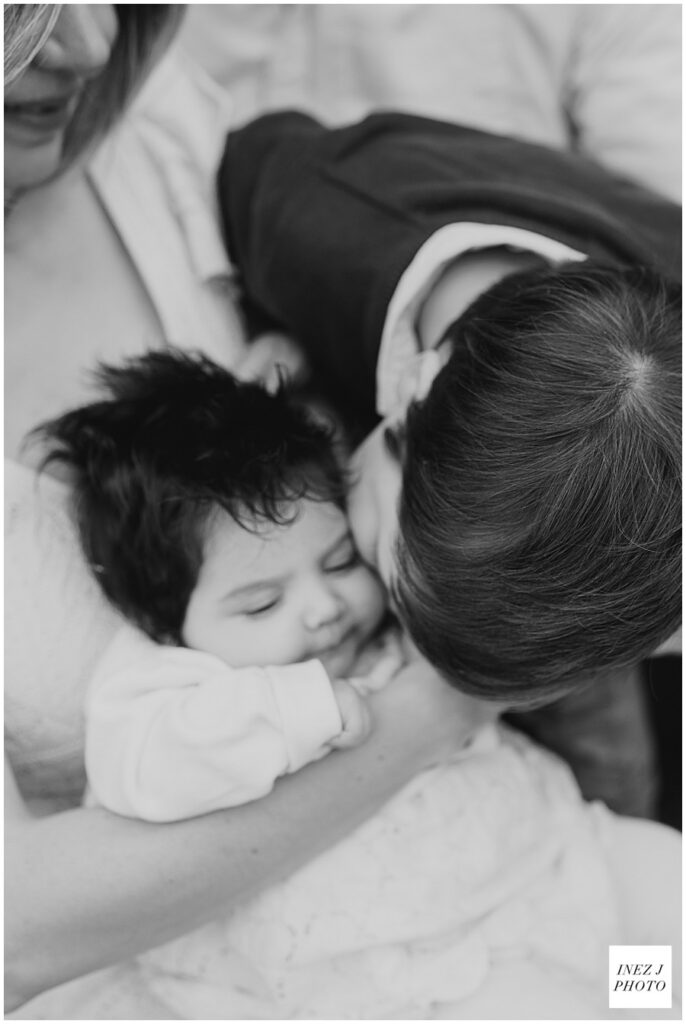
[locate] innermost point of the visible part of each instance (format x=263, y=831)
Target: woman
x=103, y=258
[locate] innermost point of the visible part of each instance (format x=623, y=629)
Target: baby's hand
x=379, y=662
x=355, y=715
x=271, y=356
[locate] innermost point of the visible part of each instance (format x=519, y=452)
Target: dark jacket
x=321, y=222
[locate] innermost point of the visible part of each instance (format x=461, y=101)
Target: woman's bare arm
x=86, y=888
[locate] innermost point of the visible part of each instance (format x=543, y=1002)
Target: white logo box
x=640, y=977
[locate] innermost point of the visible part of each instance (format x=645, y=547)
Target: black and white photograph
x=343, y=508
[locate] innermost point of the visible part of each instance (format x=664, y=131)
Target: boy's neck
x=461, y=282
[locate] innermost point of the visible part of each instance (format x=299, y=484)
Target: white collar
x=399, y=342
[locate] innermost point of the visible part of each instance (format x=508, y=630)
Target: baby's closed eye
x=343, y=557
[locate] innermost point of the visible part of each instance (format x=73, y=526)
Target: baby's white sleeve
x=172, y=733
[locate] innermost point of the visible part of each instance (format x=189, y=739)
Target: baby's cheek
x=375, y=602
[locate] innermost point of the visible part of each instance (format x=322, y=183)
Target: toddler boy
x=538, y=546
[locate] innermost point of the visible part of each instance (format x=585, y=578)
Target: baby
x=213, y=515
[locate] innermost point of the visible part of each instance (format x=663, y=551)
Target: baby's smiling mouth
x=338, y=656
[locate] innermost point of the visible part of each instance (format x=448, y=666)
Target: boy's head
x=539, y=517
x=213, y=514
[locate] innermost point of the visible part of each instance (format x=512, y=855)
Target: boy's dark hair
x=540, y=517
x=176, y=439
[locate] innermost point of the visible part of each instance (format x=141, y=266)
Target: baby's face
x=284, y=594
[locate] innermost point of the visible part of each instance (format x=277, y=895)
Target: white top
x=488, y=861
x=486, y=874
x=172, y=732
x=399, y=341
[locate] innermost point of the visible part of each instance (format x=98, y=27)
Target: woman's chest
x=72, y=298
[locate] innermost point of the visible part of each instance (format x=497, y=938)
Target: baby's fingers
x=355, y=716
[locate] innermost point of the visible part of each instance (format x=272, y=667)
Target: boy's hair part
x=176, y=439
x=540, y=515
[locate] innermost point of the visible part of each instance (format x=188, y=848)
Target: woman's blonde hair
x=26, y=28
x=145, y=30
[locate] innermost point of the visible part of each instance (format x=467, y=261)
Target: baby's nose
x=323, y=607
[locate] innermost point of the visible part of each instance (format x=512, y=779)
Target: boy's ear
x=418, y=376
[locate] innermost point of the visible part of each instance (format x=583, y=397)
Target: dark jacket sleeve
x=321, y=222
x=317, y=258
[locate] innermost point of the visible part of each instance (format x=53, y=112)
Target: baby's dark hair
x=540, y=517
x=176, y=439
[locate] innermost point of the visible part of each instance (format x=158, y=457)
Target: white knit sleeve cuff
x=308, y=708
